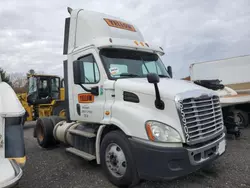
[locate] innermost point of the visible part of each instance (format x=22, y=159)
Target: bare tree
x=18, y=79
x=19, y=82
x=5, y=77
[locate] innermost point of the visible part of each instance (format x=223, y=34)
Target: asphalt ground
x=58, y=168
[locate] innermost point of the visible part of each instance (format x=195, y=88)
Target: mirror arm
x=158, y=102
x=93, y=90
x=88, y=90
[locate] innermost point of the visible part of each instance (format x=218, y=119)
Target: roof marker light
x=147, y=44
x=142, y=43
x=110, y=40
x=136, y=42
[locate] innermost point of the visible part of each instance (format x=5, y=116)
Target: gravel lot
x=57, y=168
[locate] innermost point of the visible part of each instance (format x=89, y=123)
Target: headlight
x=160, y=132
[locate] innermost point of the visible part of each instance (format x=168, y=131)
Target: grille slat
x=201, y=117
x=213, y=116
x=205, y=133
x=197, y=102
x=202, y=129
x=204, y=124
x=204, y=106
x=195, y=111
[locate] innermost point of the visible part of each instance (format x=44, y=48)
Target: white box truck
x=125, y=111
x=234, y=75
x=12, y=150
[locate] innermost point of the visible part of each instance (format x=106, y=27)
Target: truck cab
x=124, y=109
x=12, y=150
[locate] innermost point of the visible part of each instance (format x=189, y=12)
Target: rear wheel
x=44, y=132
x=241, y=118
x=117, y=160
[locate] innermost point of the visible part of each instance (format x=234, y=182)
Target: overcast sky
x=31, y=31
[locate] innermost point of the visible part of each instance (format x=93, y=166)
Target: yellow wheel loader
x=45, y=97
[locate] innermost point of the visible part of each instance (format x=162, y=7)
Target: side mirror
x=169, y=69
x=78, y=71
x=153, y=78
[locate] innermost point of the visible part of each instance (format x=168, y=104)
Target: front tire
x=117, y=160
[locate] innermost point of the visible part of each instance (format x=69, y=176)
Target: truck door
x=89, y=107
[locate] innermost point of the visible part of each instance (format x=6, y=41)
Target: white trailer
x=12, y=151
x=233, y=72
x=125, y=111
x=234, y=75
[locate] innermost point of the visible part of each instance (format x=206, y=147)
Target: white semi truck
x=125, y=111
x=234, y=75
x=12, y=150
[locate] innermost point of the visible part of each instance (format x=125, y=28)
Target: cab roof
x=102, y=30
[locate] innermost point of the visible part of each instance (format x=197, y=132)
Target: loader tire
x=44, y=132
x=59, y=109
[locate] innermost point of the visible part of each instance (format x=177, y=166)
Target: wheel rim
x=115, y=160
x=239, y=120
x=62, y=113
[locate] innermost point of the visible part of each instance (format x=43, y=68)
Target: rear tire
x=44, y=132
x=116, y=153
x=55, y=120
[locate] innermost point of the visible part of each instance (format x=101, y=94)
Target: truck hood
x=168, y=88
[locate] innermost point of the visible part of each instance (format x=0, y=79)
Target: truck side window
x=91, y=70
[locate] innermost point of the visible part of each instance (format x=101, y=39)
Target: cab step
x=82, y=133
x=80, y=153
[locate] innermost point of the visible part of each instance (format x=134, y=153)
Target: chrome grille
x=201, y=118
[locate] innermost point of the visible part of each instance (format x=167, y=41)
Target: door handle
x=78, y=109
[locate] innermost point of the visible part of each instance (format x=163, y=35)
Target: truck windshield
x=120, y=63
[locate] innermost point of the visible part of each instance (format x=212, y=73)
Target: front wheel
x=117, y=160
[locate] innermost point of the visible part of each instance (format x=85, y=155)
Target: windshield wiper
x=163, y=76
x=129, y=74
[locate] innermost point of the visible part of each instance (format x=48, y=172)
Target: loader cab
x=43, y=89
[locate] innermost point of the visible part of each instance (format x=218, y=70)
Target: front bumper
x=18, y=174
x=154, y=162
